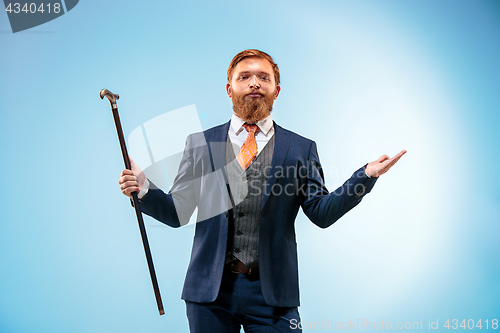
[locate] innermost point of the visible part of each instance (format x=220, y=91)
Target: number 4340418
x=33, y=8
x=470, y=324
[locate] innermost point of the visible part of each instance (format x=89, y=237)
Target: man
x=248, y=178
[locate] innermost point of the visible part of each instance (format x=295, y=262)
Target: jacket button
x=239, y=233
x=237, y=251
x=241, y=214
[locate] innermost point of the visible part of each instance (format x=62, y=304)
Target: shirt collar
x=264, y=125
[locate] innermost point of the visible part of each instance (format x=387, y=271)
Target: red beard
x=253, y=109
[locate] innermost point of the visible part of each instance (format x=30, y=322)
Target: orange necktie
x=248, y=150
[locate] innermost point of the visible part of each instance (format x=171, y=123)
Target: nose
x=254, y=84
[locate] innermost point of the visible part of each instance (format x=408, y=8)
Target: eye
x=265, y=78
x=243, y=77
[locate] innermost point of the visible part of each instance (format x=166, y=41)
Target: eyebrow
x=248, y=72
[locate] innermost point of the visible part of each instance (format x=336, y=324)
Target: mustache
x=255, y=92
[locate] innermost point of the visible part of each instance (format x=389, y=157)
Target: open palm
x=382, y=165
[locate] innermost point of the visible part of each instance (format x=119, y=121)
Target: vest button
x=237, y=251
x=241, y=214
x=239, y=233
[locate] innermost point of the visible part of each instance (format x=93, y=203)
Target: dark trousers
x=240, y=303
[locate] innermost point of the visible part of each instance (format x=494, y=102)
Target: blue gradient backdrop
x=361, y=78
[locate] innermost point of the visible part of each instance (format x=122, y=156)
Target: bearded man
x=248, y=178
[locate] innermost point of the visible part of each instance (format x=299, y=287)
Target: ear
x=278, y=89
x=228, y=89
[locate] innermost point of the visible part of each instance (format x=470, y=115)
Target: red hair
x=253, y=53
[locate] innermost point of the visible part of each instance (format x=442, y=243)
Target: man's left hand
x=382, y=165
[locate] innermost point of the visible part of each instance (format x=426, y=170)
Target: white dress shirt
x=238, y=134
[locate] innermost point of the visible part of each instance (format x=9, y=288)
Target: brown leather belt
x=240, y=268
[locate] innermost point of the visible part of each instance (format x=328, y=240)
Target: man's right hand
x=131, y=180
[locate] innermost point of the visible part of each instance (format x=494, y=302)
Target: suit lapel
x=281, y=145
x=217, y=149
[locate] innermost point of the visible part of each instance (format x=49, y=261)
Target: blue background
x=361, y=78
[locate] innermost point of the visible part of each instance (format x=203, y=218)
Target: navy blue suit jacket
x=295, y=180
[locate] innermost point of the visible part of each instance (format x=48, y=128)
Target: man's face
x=253, y=89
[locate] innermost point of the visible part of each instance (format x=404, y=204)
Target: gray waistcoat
x=246, y=193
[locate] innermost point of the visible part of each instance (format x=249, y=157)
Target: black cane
x=112, y=100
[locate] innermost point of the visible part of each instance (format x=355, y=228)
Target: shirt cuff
x=144, y=190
